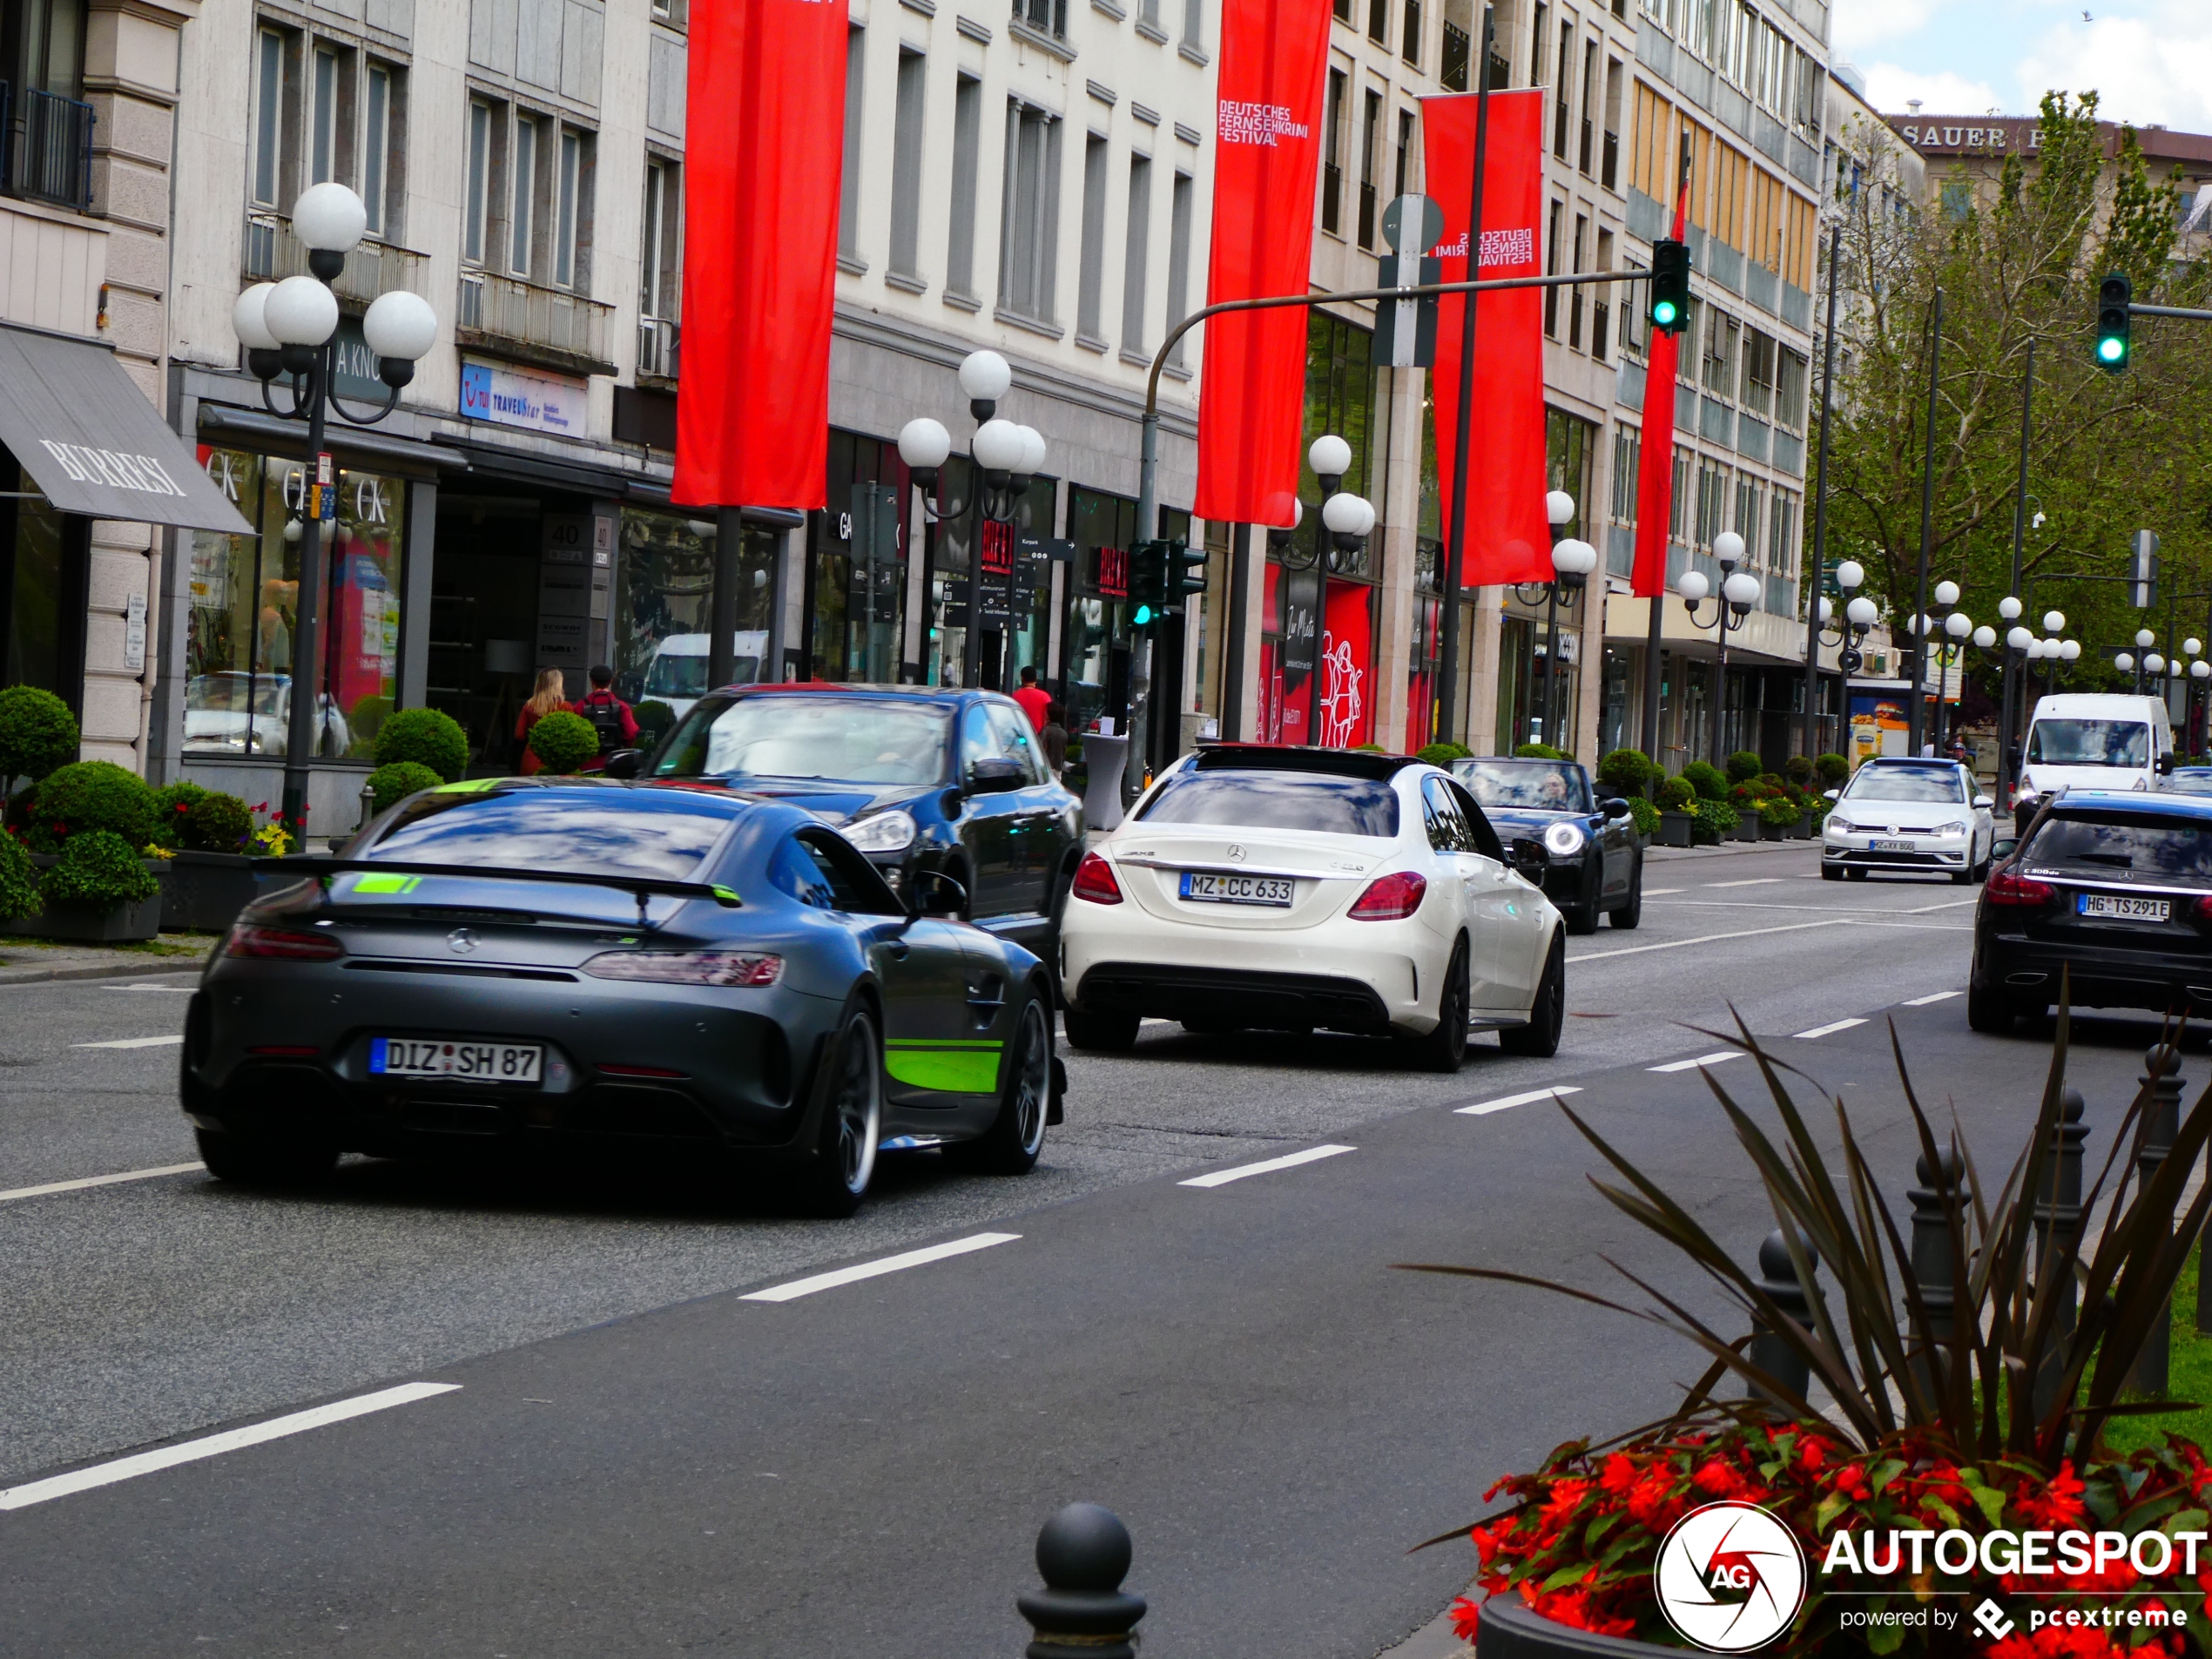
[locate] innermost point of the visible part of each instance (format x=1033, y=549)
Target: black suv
x=918, y=779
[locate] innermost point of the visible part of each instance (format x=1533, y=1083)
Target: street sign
x=1405, y=329
x=1423, y=213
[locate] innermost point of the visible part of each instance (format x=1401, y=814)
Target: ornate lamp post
x=1004, y=457
x=1346, y=521
x=1572, y=563
x=1732, y=610
x=290, y=329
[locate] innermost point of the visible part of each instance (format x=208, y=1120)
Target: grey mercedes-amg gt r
x=603, y=966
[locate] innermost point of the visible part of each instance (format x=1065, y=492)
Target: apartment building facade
x=1031, y=180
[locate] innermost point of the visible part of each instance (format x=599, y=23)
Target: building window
x=1575, y=295
x=1678, y=496
x=1179, y=260
x=1343, y=9
x=906, y=164
x=1590, y=106
x=1747, y=518
x=660, y=251
x=1090, y=278
x=1410, y=41
x=484, y=136
x=1050, y=15
x=1331, y=156
x=1609, y=166
x=1194, y=24
x=322, y=153
x=1459, y=51
x=1563, y=85
x=521, y=219
x=1031, y=218
x=376, y=148
x=574, y=208
x=1721, y=333
x=1134, y=273
x=848, y=191
x=1601, y=310
x=1790, y=390
x=1551, y=267
x=1628, y=460
x=1536, y=37
x=1758, y=372
x=1379, y=21
x=1404, y=173
x=269, y=118
x=1370, y=158
x=968, y=143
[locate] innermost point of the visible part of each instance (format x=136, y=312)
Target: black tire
x=1962, y=877
x=1539, y=1039
x=1831, y=872
x=1583, y=918
x=1104, y=1032
x=264, y=1160
x=1016, y=1134
x=1988, y=1009
x=849, y=1109
x=1631, y=910
x=1444, y=1048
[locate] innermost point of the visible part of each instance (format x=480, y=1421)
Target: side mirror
x=934, y=893
x=1831, y=795
x=2003, y=848
x=994, y=776
x=623, y=762
x=1528, y=858
x=1613, y=808
x=1983, y=802
x=2165, y=763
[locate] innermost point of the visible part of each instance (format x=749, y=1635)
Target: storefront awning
x=90, y=441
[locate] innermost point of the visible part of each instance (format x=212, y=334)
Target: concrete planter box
x=1746, y=827
x=1776, y=832
x=206, y=891
x=122, y=924
x=1674, y=828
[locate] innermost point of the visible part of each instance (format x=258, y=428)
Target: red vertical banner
x=1267, y=154
x=760, y=200
x=1347, y=667
x=1655, y=462
x=1509, y=538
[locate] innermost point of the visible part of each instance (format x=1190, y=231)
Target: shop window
x=245, y=598
x=43, y=565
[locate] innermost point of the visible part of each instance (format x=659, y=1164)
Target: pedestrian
x=1052, y=738
x=611, y=718
x=551, y=697
x=1035, y=701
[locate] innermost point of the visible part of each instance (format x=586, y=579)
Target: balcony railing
x=520, y=319
x=372, y=269
x=49, y=156
x=1459, y=53
x=656, y=349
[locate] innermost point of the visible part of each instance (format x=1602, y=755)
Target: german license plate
x=2120, y=907
x=1209, y=888
x=456, y=1059
x=1890, y=847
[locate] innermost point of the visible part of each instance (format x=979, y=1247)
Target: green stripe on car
x=952, y=1067
x=387, y=883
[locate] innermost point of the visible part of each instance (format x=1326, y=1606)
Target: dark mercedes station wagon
x=2112, y=891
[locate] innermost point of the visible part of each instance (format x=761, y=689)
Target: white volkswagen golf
x=1289, y=889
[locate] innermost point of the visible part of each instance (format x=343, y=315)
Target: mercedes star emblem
x=1236, y=851
x=462, y=939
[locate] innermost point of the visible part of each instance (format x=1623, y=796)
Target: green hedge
x=1743, y=765
x=1646, y=815
x=1443, y=754
x=1833, y=769
x=389, y=786
x=18, y=886
x=220, y=824
x=88, y=795
x=172, y=804
x=563, y=741
x=38, y=733
x=99, y=870
x=1717, y=819
x=1540, y=751
x=1627, y=771
x=429, y=738
x=1780, y=809
x=1676, y=795
x=1706, y=779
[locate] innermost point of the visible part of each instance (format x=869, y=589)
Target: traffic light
x=2114, y=295
x=1670, y=286
x=1186, y=573
x=1148, y=583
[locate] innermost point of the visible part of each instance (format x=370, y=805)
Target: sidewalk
x=1654, y=854
x=29, y=961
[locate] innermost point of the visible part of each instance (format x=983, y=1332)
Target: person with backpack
x=610, y=716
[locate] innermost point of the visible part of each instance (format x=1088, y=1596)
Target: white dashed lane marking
x=1830, y=1030
x=1923, y=1001
x=1755, y=881
x=1702, y=1060
x=83, y=1182
x=854, y=1274
x=1288, y=1161
x=1482, y=1108
x=134, y=1042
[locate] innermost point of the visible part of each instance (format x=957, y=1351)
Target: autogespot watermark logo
x=1731, y=1577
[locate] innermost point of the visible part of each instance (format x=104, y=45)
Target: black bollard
x=1082, y=1613
x=1778, y=1279
x=2162, y=1122
x=2058, y=1230
x=1933, y=1268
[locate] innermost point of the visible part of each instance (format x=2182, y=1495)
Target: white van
x=677, y=674
x=2095, y=740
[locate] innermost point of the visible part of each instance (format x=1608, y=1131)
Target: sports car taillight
x=2003, y=886
x=1094, y=881
x=283, y=944
x=1390, y=898
x=688, y=966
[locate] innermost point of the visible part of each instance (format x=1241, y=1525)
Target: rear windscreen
x=1281, y=800
x=564, y=830
x=2148, y=846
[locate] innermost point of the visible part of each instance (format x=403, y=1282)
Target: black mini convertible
x=604, y=967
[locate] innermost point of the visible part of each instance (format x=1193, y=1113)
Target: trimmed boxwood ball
x=38, y=733
x=99, y=870
x=1706, y=779
x=389, y=786
x=1797, y=770
x=1626, y=771
x=18, y=886
x=172, y=804
x=653, y=718
x=1442, y=754
x=562, y=742
x=1540, y=751
x=92, y=795
x=1676, y=795
x=218, y=823
x=1833, y=769
x=429, y=738
x=1743, y=765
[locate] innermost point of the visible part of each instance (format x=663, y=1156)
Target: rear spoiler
x=641, y=888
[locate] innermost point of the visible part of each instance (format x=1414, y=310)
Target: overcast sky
x=2150, y=59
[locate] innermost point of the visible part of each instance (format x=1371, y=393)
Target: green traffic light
x=1663, y=313
x=1141, y=616
x=2111, y=351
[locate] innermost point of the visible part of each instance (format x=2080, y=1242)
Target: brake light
x=1390, y=898
x=2203, y=908
x=1094, y=881
x=281, y=944
x=2003, y=886
x=749, y=967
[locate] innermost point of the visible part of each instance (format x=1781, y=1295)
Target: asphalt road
x=637, y=1457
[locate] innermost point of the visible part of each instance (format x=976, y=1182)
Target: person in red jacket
x=610, y=716
x=1033, y=700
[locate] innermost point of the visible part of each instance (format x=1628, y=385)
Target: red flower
x=1465, y=1616
x=1717, y=1477
x=1559, y=1508
x=1851, y=1480
x=1620, y=1474
x=1649, y=1503
x=1812, y=1451
x=2058, y=1506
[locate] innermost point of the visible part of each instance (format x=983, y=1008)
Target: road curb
x=99, y=970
